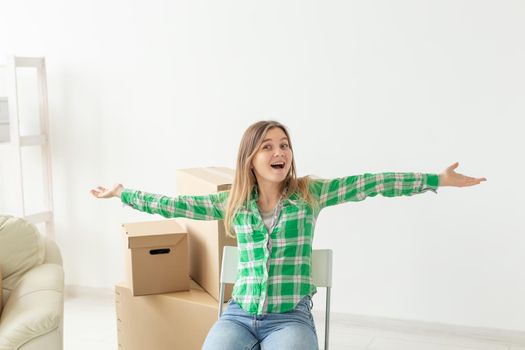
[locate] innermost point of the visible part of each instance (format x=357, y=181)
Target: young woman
x=272, y=213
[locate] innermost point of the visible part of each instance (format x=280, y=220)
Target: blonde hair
x=241, y=190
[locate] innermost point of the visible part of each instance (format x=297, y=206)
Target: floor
x=89, y=323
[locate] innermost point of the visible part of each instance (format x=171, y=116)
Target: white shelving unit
x=4, y=120
x=18, y=142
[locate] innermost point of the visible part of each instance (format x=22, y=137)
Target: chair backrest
x=230, y=259
x=321, y=266
x=321, y=275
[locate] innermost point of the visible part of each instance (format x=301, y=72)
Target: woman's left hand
x=450, y=178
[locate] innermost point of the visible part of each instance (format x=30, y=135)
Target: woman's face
x=273, y=159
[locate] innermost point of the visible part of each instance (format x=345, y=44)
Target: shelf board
x=33, y=140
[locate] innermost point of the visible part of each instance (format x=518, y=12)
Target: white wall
x=140, y=89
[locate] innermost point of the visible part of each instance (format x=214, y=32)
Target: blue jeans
x=239, y=330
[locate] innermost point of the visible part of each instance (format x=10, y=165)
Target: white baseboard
x=74, y=291
x=424, y=327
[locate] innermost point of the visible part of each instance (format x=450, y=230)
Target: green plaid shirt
x=274, y=270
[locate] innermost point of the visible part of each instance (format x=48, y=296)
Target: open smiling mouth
x=278, y=165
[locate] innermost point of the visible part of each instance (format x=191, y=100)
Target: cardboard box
x=207, y=238
x=170, y=321
x=156, y=257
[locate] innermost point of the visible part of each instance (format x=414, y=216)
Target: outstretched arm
x=450, y=178
x=358, y=187
x=209, y=207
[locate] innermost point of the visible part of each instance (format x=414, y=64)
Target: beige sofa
x=33, y=288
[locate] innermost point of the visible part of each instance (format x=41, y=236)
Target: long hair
x=245, y=180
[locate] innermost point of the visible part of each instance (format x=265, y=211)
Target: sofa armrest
x=53, y=255
x=34, y=308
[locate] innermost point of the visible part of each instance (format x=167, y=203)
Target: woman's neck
x=269, y=195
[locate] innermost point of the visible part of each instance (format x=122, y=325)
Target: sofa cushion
x=1, y=296
x=34, y=307
x=21, y=249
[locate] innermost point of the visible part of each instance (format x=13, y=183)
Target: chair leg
x=221, y=298
x=327, y=319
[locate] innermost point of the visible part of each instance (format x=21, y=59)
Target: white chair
x=321, y=274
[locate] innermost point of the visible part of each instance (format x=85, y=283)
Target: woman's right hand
x=102, y=192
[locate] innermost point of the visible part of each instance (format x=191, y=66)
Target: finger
x=100, y=188
x=475, y=178
x=478, y=180
x=473, y=182
x=453, y=166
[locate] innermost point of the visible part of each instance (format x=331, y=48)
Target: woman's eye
x=266, y=147
x=284, y=145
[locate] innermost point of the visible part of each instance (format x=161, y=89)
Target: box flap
x=154, y=233
x=193, y=285
x=195, y=295
x=156, y=241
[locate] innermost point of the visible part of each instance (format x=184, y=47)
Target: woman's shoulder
x=223, y=195
x=312, y=182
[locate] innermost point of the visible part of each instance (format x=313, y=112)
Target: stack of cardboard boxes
x=170, y=297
